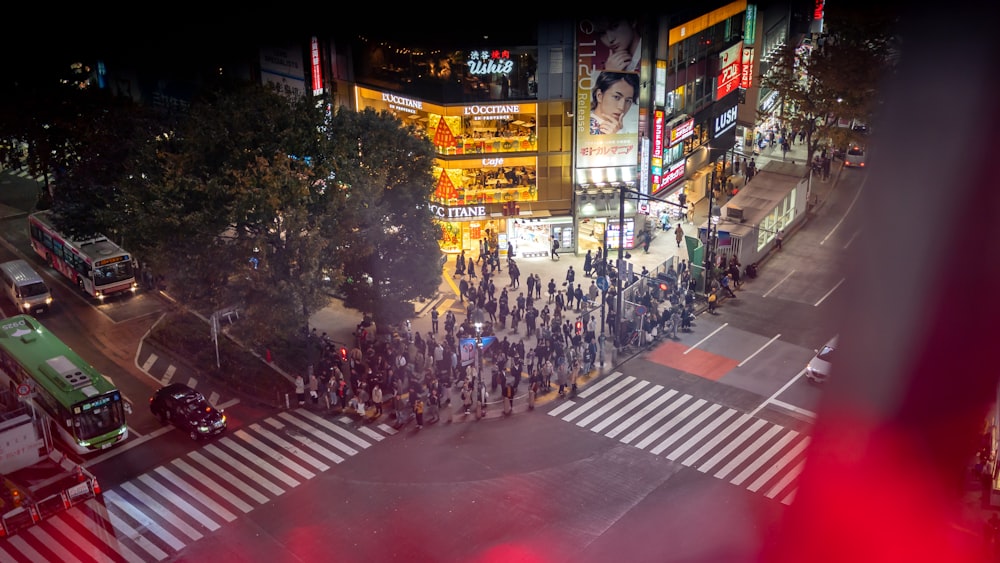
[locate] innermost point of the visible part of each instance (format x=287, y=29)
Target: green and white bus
x=85, y=408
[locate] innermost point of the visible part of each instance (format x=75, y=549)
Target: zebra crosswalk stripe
x=780, y=464
x=156, y=514
x=611, y=392
x=122, y=528
x=715, y=440
x=205, y=500
x=221, y=491
x=143, y=520
x=175, y=500
x=96, y=530
x=651, y=422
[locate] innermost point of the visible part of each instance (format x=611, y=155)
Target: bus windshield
x=97, y=417
x=113, y=273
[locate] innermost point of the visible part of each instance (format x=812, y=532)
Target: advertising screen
x=607, y=92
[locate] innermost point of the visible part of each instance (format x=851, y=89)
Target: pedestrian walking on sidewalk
x=418, y=411
x=679, y=235
x=552, y=289
x=300, y=390
x=508, y=398
x=713, y=299
x=588, y=263
x=434, y=320
x=779, y=237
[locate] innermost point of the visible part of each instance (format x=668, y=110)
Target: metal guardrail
x=76, y=488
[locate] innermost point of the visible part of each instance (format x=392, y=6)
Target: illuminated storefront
x=487, y=164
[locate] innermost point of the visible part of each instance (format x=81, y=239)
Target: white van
x=25, y=287
x=855, y=157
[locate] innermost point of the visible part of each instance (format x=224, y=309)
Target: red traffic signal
x=343, y=354
x=664, y=286
x=579, y=327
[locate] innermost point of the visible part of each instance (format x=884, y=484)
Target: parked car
x=188, y=410
x=818, y=368
x=855, y=157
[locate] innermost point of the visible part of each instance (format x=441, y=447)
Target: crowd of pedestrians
x=529, y=335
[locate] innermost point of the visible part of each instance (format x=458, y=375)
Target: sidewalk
x=339, y=322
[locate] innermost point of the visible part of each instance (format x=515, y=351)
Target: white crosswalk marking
x=97, y=531
x=75, y=539
x=780, y=464
x=663, y=429
x=274, y=438
x=697, y=433
x=602, y=412
x=276, y=456
x=642, y=413
x=658, y=449
x=24, y=547
x=203, y=499
x=157, y=514
x=143, y=520
x=309, y=443
x=651, y=422
x=746, y=452
x=244, y=487
x=126, y=530
x=609, y=393
x=328, y=439
x=159, y=509
x=697, y=438
x=612, y=417
x=59, y=548
x=178, y=501
x=238, y=465
x=731, y=446
x=716, y=440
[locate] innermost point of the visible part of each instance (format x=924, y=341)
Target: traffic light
x=343, y=354
x=664, y=286
x=579, y=326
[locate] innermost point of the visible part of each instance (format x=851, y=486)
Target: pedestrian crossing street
x=157, y=514
x=719, y=441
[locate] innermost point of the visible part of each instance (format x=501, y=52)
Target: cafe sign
x=448, y=213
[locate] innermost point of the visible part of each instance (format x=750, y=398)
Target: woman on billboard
x=623, y=40
x=613, y=95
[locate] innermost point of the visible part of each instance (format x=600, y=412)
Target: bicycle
x=632, y=341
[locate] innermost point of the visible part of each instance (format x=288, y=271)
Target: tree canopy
x=251, y=200
x=835, y=81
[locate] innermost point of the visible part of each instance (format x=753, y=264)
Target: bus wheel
x=79, y=283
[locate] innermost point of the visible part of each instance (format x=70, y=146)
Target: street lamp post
x=604, y=306
x=478, y=381
x=619, y=293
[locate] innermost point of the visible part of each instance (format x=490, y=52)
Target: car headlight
x=204, y=429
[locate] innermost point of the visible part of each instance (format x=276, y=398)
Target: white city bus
x=98, y=266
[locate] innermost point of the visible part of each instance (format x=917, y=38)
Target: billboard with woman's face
x=607, y=92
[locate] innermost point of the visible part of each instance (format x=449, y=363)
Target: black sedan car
x=188, y=410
